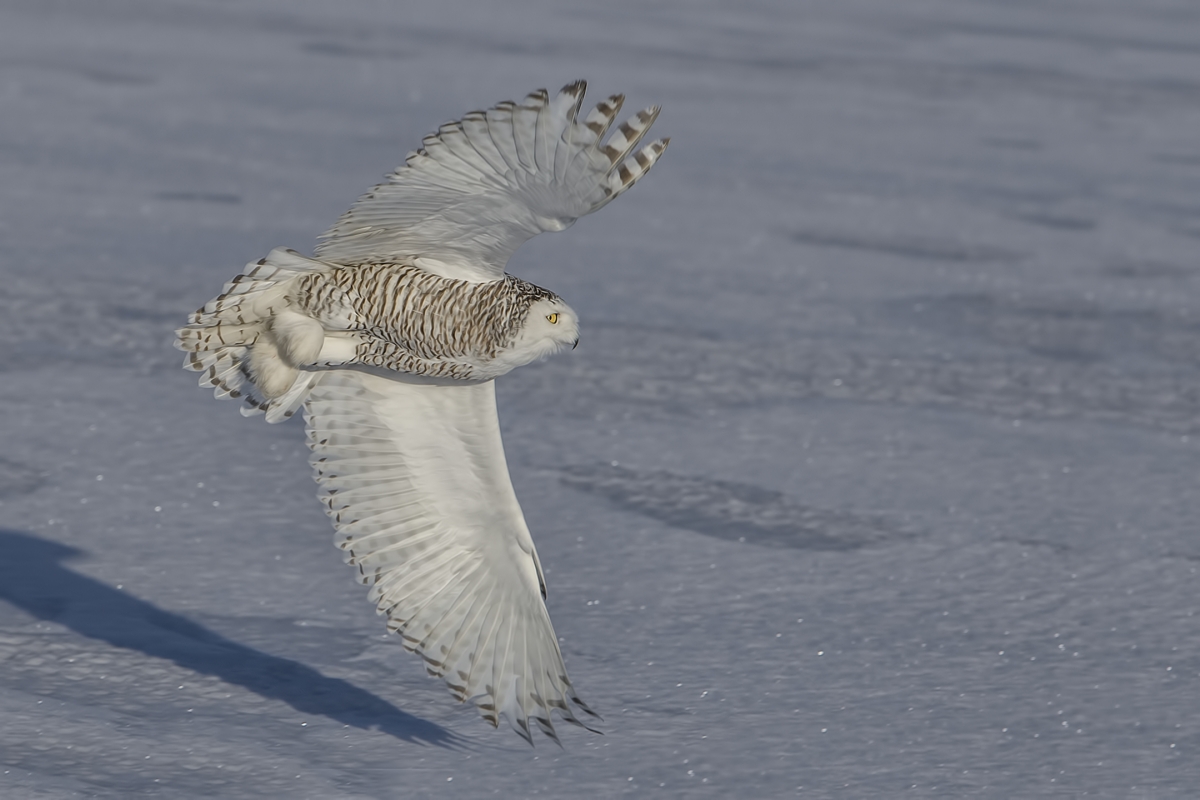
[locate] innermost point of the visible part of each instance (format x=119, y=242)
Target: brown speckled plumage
x=410, y=320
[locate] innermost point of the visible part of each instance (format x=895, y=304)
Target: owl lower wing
x=414, y=479
x=481, y=186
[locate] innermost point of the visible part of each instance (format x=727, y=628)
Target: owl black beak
x=575, y=343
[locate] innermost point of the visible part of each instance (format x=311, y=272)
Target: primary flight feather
x=390, y=339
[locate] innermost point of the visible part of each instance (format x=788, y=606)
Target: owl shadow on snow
x=33, y=578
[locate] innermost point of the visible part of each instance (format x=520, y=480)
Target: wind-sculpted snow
x=17, y=479
x=732, y=511
x=33, y=579
x=906, y=246
x=1078, y=363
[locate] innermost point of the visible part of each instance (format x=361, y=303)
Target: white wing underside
x=414, y=479
x=481, y=186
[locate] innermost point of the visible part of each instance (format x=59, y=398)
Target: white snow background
x=875, y=473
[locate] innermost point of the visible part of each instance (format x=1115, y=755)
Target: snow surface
x=875, y=473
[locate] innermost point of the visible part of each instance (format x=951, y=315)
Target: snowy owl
x=390, y=338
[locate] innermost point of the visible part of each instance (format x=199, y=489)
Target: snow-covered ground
x=874, y=474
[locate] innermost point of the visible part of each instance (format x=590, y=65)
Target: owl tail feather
x=249, y=343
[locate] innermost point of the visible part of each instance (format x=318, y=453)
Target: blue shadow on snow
x=32, y=578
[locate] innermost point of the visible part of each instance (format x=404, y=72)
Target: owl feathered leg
x=250, y=342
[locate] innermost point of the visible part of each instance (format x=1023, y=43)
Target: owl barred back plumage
x=410, y=320
x=390, y=339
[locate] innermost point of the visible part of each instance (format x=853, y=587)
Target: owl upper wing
x=414, y=478
x=481, y=186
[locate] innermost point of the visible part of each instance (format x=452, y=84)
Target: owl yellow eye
x=553, y=318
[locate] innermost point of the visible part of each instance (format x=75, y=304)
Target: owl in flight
x=390, y=338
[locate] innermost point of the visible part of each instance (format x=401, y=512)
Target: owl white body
x=390, y=339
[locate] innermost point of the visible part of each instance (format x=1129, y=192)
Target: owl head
x=550, y=325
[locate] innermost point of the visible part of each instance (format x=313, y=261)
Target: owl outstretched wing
x=481, y=186
x=414, y=479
